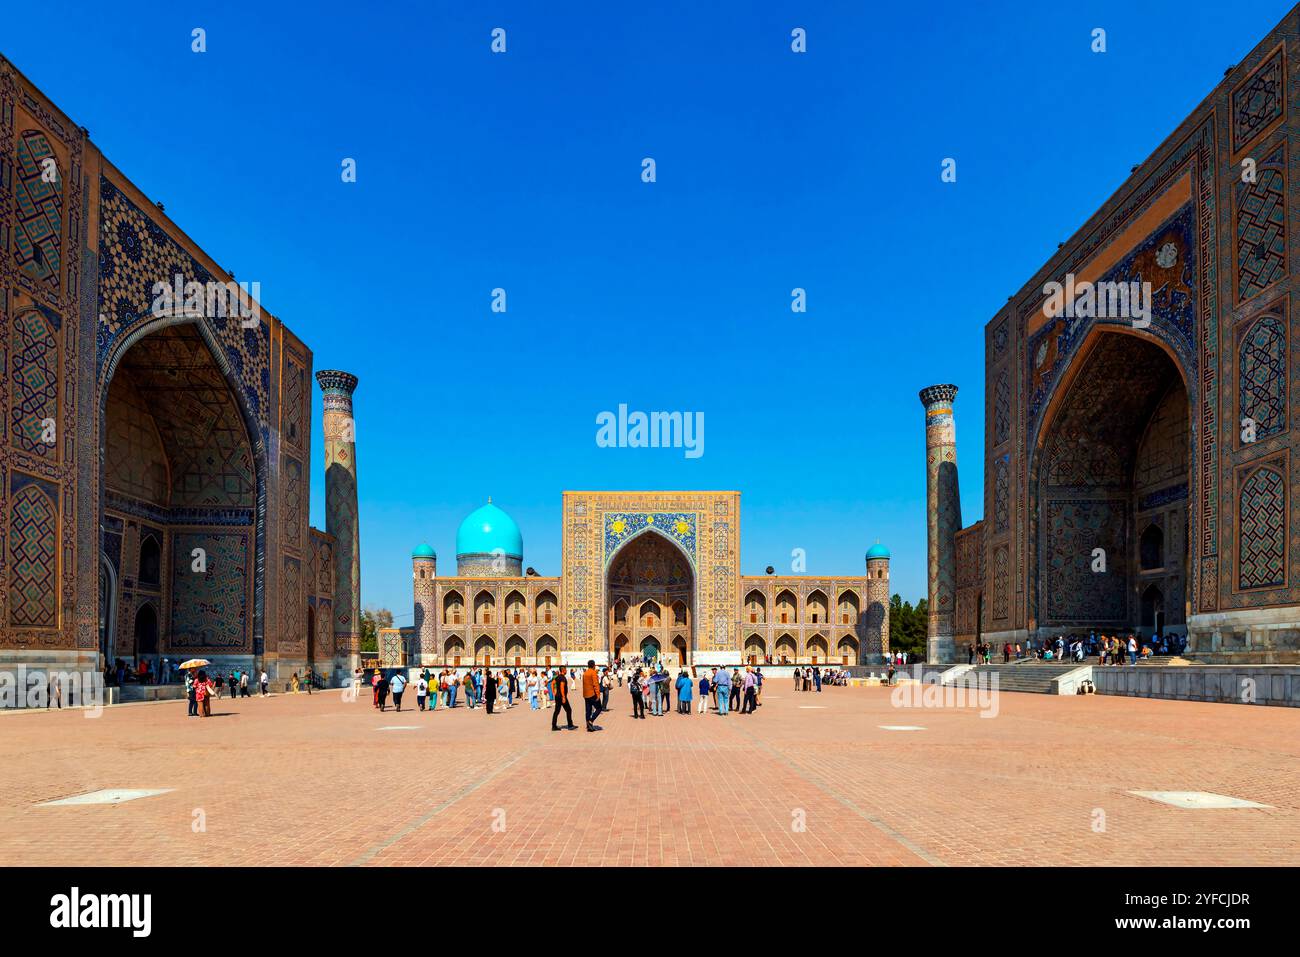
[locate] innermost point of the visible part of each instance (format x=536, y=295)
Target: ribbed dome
x=487, y=529
x=424, y=551
x=877, y=551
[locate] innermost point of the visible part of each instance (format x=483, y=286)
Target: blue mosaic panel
x=1262, y=376
x=678, y=526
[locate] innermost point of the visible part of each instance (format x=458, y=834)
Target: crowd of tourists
x=1107, y=649
x=201, y=688
x=652, y=687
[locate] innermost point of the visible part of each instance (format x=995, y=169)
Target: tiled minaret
x=943, y=510
x=876, y=646
x=341, y=519
x=424, y=574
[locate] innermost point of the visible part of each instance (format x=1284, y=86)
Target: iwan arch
x=653, y=573
x=1170, y=447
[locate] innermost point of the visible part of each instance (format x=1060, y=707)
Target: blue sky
x=522, y=171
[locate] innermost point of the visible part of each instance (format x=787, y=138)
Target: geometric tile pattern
x=1257, y=102
x=1263, y=374
x=38, y=234
x=1001, y=408
x=291, y=490
x=1073, y=592
x=1261, y=229
x=1001, y=494
x=33, y=556
x=34, y=378
x=210, y=608
x=134, y=253
x=1262, y=515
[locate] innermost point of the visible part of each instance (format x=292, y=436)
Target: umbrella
x=195, y=663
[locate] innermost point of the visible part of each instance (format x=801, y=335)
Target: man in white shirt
x=397, y=686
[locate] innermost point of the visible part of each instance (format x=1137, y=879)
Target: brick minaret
x=424, y=573
x=943, y=509
x=876, y=646
x=341, y=519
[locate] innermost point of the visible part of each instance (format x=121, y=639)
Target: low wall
x=1234, y=684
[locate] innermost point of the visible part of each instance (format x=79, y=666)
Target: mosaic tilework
x=1167, y=260
x=1002, y=408
x=1258, y=101
x=134, y=253
x=621, y=526
x=292, y=494
x=1262, y=375
x=1261, y=561
x=32, y=554
x=1001, y=584
x=1002, y=494
x=210, y=610
x=38, y=234
x=293, y=634
x=1261, y=228
x=34, y=381
x=1073, y=592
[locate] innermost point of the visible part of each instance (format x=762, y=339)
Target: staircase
x=1031, y=675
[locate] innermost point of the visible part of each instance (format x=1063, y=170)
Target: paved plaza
x=810, y=779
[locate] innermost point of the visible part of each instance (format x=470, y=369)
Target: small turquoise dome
x=487, y=529
x=424, y=551
x=877, y=551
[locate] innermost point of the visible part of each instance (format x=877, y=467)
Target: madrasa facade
x=154, y=462
x=644, y=573
x=1142, y=406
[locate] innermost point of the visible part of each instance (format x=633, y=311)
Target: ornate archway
x=650, y=598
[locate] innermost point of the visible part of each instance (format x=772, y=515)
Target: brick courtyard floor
x=313, y=780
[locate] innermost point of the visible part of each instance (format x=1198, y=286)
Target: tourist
x=798, y=673
x=684, y=688
x=203, y=689
x=638, y=700
x=606, y=686
x=758, y=687
x=382, y=689
x=533, y=688
x=234, y=685
x=723, y=684
x=243, y=684
x=490, y=682
x=374, y=683
x=704, y=692
x=591, y=694
x=452, y=686
x=751, y=695
x=190, y=694
x=293, y=683
x=266, y=683
x=467, y=683
x=1132, y=650
x=421, y=692
x=735, y=689
x=817, y=679
x=562, y=701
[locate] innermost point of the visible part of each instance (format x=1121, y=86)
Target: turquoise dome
x=877, y=551
x=424, y=551
x=487, y=529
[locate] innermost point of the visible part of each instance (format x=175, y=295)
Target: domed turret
x=424, y=551
x=877, y=551
x=488, y=542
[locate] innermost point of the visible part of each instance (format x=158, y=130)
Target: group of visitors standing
x=654, y=687
x=201, y=688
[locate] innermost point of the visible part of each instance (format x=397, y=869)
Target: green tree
x=907, y=625
x=373, y=619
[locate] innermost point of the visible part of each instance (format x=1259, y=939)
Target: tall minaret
x=876, y=646
x=943, y=508
x=424, y=573
x=341, y=519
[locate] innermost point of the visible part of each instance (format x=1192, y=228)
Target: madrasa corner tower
x=653, y=573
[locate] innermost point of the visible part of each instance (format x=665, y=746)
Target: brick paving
x=312, y=780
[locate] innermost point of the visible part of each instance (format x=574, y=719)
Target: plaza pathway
x=811, y=779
